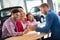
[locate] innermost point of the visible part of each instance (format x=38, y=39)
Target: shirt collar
x=12, y=20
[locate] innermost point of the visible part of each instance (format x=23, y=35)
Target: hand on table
x=29, y=28
x=32, y=28
x=26, y=31
x=18, y=34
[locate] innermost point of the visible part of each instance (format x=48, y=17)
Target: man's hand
x=21, y=33
x=26, y=31
x=29, y=28
x=18, y=34
x=32, y=28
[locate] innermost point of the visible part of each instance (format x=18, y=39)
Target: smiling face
x=30, y=17
x=22, y=13
x=44, y=10
x=15, y=16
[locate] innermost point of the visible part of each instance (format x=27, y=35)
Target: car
x=37, y=14
x=5, y=13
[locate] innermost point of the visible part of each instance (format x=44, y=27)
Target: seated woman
x=30, y=22
x=30, y=19
x=21, y=23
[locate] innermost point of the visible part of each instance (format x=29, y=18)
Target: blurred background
x=28, y=6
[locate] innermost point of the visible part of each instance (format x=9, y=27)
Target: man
x=52, y=22
x=9, y=25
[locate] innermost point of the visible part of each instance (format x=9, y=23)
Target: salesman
x=52, y=22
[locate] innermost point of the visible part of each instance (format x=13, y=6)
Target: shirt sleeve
x=11, y=29
x=49, y=21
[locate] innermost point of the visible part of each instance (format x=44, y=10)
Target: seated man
x=52, y=22
x=9, y=25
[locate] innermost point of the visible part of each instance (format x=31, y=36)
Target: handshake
x=30, y=28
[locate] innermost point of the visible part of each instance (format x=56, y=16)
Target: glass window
x=5, y=13
x=32, y=3
x=33, y=6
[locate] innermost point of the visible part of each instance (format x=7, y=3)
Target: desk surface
x=27, y=37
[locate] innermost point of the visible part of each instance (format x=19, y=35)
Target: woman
x=30, y=22
x=30, y=19
x=21, y=23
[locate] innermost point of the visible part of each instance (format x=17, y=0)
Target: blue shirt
x=52, y=24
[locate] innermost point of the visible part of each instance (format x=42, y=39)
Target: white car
x=37, y=14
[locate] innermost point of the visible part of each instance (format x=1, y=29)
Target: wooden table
x=27, y=37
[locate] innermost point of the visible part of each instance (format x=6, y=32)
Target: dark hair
x=44, y=5
x=14, y=11
x=29, y=13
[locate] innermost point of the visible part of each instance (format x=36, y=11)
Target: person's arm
x=49, y=21
x=11, y=30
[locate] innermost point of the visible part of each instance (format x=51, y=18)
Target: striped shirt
x=8, y=28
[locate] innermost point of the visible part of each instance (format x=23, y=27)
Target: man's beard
x=15, y=18
x=45, y=13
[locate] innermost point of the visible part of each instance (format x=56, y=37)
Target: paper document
x=33, y=32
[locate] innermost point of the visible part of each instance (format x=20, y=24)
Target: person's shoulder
x=7, y=20
x=51, y=12
x=28, y=21
x=35, y=20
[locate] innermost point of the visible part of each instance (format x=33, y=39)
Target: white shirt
x=24, y=25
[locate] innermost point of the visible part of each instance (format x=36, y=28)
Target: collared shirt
x=52, y=23
x=8, y=28
x=31, y=23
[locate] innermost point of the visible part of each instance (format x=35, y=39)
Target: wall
x=11, y=3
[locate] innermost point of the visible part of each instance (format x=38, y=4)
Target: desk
x=27, y=37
